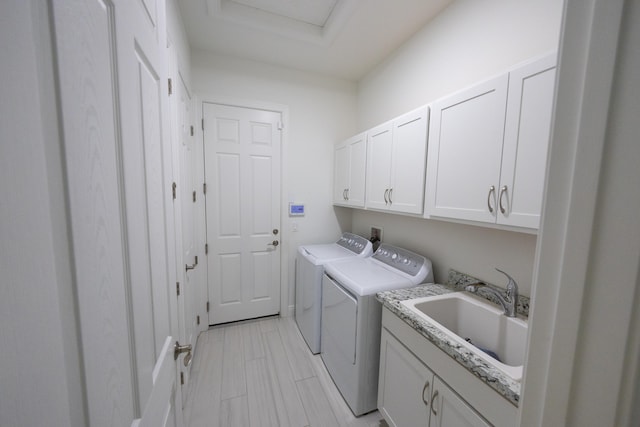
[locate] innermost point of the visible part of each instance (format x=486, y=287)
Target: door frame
x=286, y=309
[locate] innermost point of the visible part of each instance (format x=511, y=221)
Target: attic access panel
x=312, y=12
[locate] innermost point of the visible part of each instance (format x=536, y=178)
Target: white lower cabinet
x=421, y=385
x=410, y=394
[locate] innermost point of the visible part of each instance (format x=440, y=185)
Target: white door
x=404, y=385
x=341, y=172
x=379, y=151
x=409, y=156
x=449, y=410
x=242, y=169
x=526, y=142
x=112, y=79
x=184, y=160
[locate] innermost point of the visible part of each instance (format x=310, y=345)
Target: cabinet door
x=340, y=173
x=357, y=170
x=526, y=141
x=405, y=385
x=449, y=410
x=379, y=150
x=409, y=157
x=465, y=149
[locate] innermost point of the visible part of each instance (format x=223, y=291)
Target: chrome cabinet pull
x=425, y=389
x=433, y=406
x=502, y=191
x=390, y=194
x=492, y=189
x=386, y=201
x=347, y=194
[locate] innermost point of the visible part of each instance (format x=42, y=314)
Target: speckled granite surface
x=497, y=380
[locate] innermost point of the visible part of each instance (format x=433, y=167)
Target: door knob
x=274, y=243
x=179, y=349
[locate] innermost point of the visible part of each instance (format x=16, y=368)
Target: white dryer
x=309, y=269
x=351, y=317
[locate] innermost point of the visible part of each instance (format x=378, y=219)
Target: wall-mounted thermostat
x=296, y=209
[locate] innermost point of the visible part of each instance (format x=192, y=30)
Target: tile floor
x=261, y=373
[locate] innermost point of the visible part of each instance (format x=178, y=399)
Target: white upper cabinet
x=488, y=148
x=396, y=160
x=465, y=152
x=526, y=142
x=349, y=171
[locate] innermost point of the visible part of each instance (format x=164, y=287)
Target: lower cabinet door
x=405, y=385
x=449, y=410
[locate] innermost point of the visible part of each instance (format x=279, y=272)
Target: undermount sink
x=479, y=325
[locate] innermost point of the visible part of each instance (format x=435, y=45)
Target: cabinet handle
x=433, y=406
x=386, y=201
x=344, y=194
x=492, y=189
x=425, y=389
x=390, y=194
x=502, y=191
x=347, y=194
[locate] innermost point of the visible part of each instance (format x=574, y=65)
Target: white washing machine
x=351, y=317
x=309, y=269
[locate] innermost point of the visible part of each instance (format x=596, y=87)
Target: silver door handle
x=492, y=189
x=188, y=267
x=179, y=349
x=390, y=194
x=347, y=190
x=274, y=243
x=433, y=404
x=502, y=191
x=425, y=389
x=386, y=201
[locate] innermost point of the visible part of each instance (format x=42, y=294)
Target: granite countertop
x=497, y=380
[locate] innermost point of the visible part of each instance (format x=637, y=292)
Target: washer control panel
x=402, y=259
x=353, y=242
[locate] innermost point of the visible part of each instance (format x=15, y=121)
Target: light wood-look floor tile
x=261, y=373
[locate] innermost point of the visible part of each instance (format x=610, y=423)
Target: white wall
x=40, y=373
x=321, y=112
x=468, y=42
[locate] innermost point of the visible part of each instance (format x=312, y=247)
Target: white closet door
x=112, y=68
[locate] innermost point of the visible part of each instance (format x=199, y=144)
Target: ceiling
x=339, y=38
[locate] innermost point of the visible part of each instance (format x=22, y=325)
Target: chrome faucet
x=510, y=303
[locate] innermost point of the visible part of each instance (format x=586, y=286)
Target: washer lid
x=321, y=254
x=366, y=276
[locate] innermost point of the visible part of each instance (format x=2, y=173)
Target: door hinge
x=206, y=249
x=202, y=123
x=173, y=190
x=178, y=288
x=207, y=306
x=170, y=87
x=204, y=188
x=197, y=319
x=194, y=196
x=280, y=125
x=192, y=131
x=181, y=378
